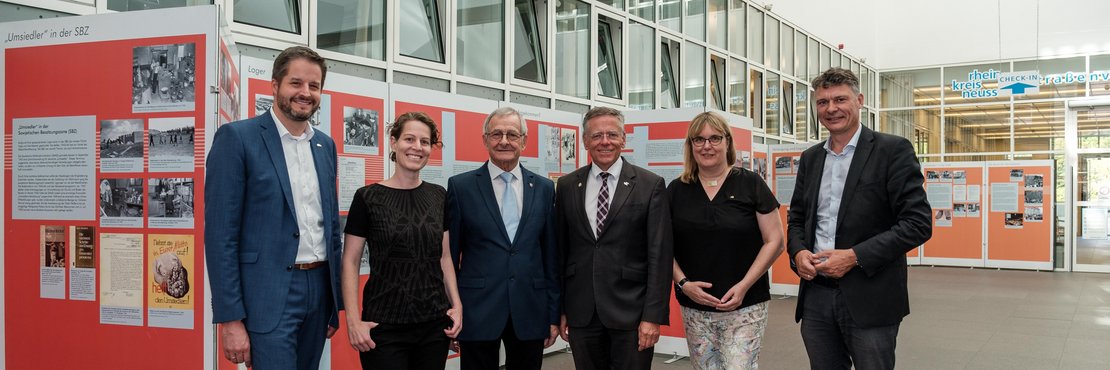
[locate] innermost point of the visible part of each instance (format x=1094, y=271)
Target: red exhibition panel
x=83, y=79
x=1024, y=235
x=957, y=232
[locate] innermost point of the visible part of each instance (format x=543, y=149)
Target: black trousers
x=834, y=341
x=484, y=354
x=419, y=346
x=596, y=347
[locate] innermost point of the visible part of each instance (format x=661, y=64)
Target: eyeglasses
x=714, y=140
x=496, y=136
x=612, y=135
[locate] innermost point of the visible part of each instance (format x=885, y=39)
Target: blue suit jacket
x=496, y=277
x=251, y=232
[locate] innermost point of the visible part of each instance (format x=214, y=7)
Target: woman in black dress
x=410, y=303
x=727, y=232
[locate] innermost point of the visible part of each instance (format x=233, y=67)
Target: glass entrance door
x=1090, y=216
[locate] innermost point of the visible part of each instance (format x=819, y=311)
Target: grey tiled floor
x=969, y=319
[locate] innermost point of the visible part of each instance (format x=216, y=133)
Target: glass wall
x=737, y=29
x=641, y=76
x=771, y=42
x=609, y=48
x=916, y=88
x=717, y=22
x=670, y=14
x=772, y=103
x=480, y=45
x=694, y=76
x=737, y=90
x=354, y=27
x=669, y=56
x=530, y=40
x=717, y=67
x=755, y=35
x=694, y=25
x=755, y=96
x=281, y=15
x=572, y=49
x=642, y=8
x=421, y=33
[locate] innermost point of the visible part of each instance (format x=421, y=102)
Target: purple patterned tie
x=602, y=202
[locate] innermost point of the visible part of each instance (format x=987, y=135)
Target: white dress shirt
x=833, y=177
x=499, y=186
x=593, y=187
x=306, y=192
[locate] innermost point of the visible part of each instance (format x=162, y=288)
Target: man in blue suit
x=501, y=222
x=272, y=226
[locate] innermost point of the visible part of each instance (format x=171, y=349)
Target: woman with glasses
x=727, y=233
x=410, y=304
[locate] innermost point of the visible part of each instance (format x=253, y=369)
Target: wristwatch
x=680, y=283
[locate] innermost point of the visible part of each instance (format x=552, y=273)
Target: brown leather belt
x=309, y=266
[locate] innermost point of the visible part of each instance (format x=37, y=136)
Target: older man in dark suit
x=613, y=224
x=502, y=230
x=858, y=207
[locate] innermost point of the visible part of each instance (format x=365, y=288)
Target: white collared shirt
x=593, y=187
x=833, y=177
x=306, y=192
x=499, y=186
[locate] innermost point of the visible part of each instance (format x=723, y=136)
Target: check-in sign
x=1019, y=83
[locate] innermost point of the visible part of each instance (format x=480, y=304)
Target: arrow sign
x=1019, y=88
x=1019, y=83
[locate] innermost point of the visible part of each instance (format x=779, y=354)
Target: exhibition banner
x=105, y=119
x=954, y=190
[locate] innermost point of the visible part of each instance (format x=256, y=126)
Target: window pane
x=737, y=89
x=1100, y=64
x=755, y=35
x=421, y=35
x=641, y=67
x=801, y=112
x=572, y=49
x=755, y=96
x=973, y=84
x=716, y=82
x=670, y=14
x=129, y=5
x=824, y=60
x=812, y=60
x=694, y=85
x=283, y=15
x=919, y=87
x=529, y=40
x=772, y=103
x=923, y=126
x=695, y=19
x=355, y=27
x=800, y=49
x=1057, y=82
x=613, y=3
x=835, y=59
x=977, y=128
x=787, y=109
x=771, y=43
x=642, y=8
x=668, y=63
x=1036, y=126
x=609, y=58
x=480, y=47
x=717, y=22
x=786, y=62
x=737, y=28
x=1094, y=127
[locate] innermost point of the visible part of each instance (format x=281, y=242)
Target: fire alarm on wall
x=840, y=46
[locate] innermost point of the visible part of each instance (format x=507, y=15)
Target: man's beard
x=286, y=106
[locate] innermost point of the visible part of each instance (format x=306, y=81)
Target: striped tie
x=602, y=202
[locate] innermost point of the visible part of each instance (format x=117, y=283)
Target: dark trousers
x=484, y=354
x=596, y=347
x=834, y=341
x=298, y=340
x=416, y=346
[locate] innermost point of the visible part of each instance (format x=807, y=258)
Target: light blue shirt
x=832, y=191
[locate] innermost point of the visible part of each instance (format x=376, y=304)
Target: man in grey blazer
x=502, y=227
x=272, y=226
x=613, y=226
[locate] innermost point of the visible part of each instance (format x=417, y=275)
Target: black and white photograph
x=795, y=162
x=1034, y=214
x=946, y=175
x=229, y=89
x=170, y=203
x=1017, y=174
x=163, y=78
x=745, y=160
x=570, y=146
x=1015, y=221
x=973, y=210
x=959, y=210
x=932, y=176
x=171, y=144
x=759, y=166
x=121, y=202
x=360, y=131
x=121, y=145
x=942, y=217
x=1034, y=181
x=1034, y=197
x=782, y=165
x=959, y=177
x=553, y=140
x=262, y=104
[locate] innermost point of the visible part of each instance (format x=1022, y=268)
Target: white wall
x=903, y=33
